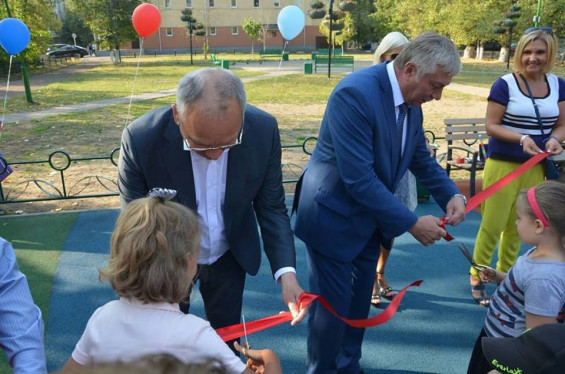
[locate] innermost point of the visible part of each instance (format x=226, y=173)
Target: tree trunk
x=480, y=52
x=503, y=54
x=469, y=52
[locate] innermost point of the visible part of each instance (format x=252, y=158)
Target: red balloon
x=146, y=19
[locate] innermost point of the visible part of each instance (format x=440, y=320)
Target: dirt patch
x=30, y=141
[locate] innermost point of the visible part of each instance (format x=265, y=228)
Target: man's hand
x=427, y=230
x=455, y=211
x=291, y=290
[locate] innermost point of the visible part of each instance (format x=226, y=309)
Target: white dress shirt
x=210, y=190
x=398, y=99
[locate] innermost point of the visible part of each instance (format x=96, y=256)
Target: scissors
x=469, y=258
x=245, y=346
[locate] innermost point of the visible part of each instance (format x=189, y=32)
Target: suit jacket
x=346, y=197
x=152, y=155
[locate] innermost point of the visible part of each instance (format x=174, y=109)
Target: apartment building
x=223, y=21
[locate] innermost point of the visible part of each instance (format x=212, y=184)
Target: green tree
x=109, y=20
x=39, y=18
x=73, y=23
x=253, y=29
x=358, y=26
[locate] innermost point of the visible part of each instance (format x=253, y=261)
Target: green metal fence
x=62, y=177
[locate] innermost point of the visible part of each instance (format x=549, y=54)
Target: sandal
x=375, y=300
x=479, y=293
x=386, y=292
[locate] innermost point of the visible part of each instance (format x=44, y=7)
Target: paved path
x=270, y=68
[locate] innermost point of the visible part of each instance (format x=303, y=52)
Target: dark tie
x=400, y=122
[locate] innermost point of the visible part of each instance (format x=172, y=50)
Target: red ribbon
x=236, y=331
x=305, y=299
x=478, y=198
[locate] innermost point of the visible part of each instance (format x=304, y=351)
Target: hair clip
x=163, y=193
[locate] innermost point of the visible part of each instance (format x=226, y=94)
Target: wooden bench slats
x=466, y=131
x=464, y=121
x=466, y=128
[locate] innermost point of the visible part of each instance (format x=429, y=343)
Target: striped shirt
x=520, y=115
x=531, y=286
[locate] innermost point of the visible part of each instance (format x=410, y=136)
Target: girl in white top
x=153, y=259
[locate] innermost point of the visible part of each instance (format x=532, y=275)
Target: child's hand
x=488, y=275
x=260, y=361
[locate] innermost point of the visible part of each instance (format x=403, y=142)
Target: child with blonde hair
x=153, y=260
x=532, y=293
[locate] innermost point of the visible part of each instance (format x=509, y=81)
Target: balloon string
x=6, y=96
x=134, y=80
x=278, y=72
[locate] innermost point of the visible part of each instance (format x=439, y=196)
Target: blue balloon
x=14, y=35
x=290, y=21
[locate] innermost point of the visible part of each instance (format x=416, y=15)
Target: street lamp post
x=187, y=17
x=508, y=22
x=537, y=16
x=330, y=49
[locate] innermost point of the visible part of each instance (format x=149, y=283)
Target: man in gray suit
x=223, y=158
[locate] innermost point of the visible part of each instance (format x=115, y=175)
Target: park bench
x=325, y=52
x=463, y=136
x=266, y=53
x=322, y=62
x=214, y=60
x=221, y=63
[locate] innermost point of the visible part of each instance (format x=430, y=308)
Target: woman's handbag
x=551, y=170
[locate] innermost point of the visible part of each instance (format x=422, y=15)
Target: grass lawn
x=109, y=81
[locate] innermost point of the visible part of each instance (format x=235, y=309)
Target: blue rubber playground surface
x=433, y=331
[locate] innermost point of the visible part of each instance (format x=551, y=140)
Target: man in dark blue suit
x=346, y=203
x=223, y=157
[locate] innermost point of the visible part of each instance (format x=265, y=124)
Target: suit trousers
x=334, y=347
x=221, y=286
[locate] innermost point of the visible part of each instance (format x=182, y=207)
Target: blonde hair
x=162, y=363
x=150, y=249
x=392, y=40
x=550, y=42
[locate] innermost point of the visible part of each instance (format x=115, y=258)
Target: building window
x=169, y=31
x=212, y=30
x=234, y=3
x=234, y=30
x=189, y=3
x=167, y=3
x=256, y=3
x=277, y=3
x=211, y=3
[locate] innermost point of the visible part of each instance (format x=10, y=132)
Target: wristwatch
x=461, y=196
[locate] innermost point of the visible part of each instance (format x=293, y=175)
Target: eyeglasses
x=204, y=149
x=393, y=56
x=546, y=29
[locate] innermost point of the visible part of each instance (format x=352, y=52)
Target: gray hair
x=223, y=83
x=392, y=40
x=428, y=51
